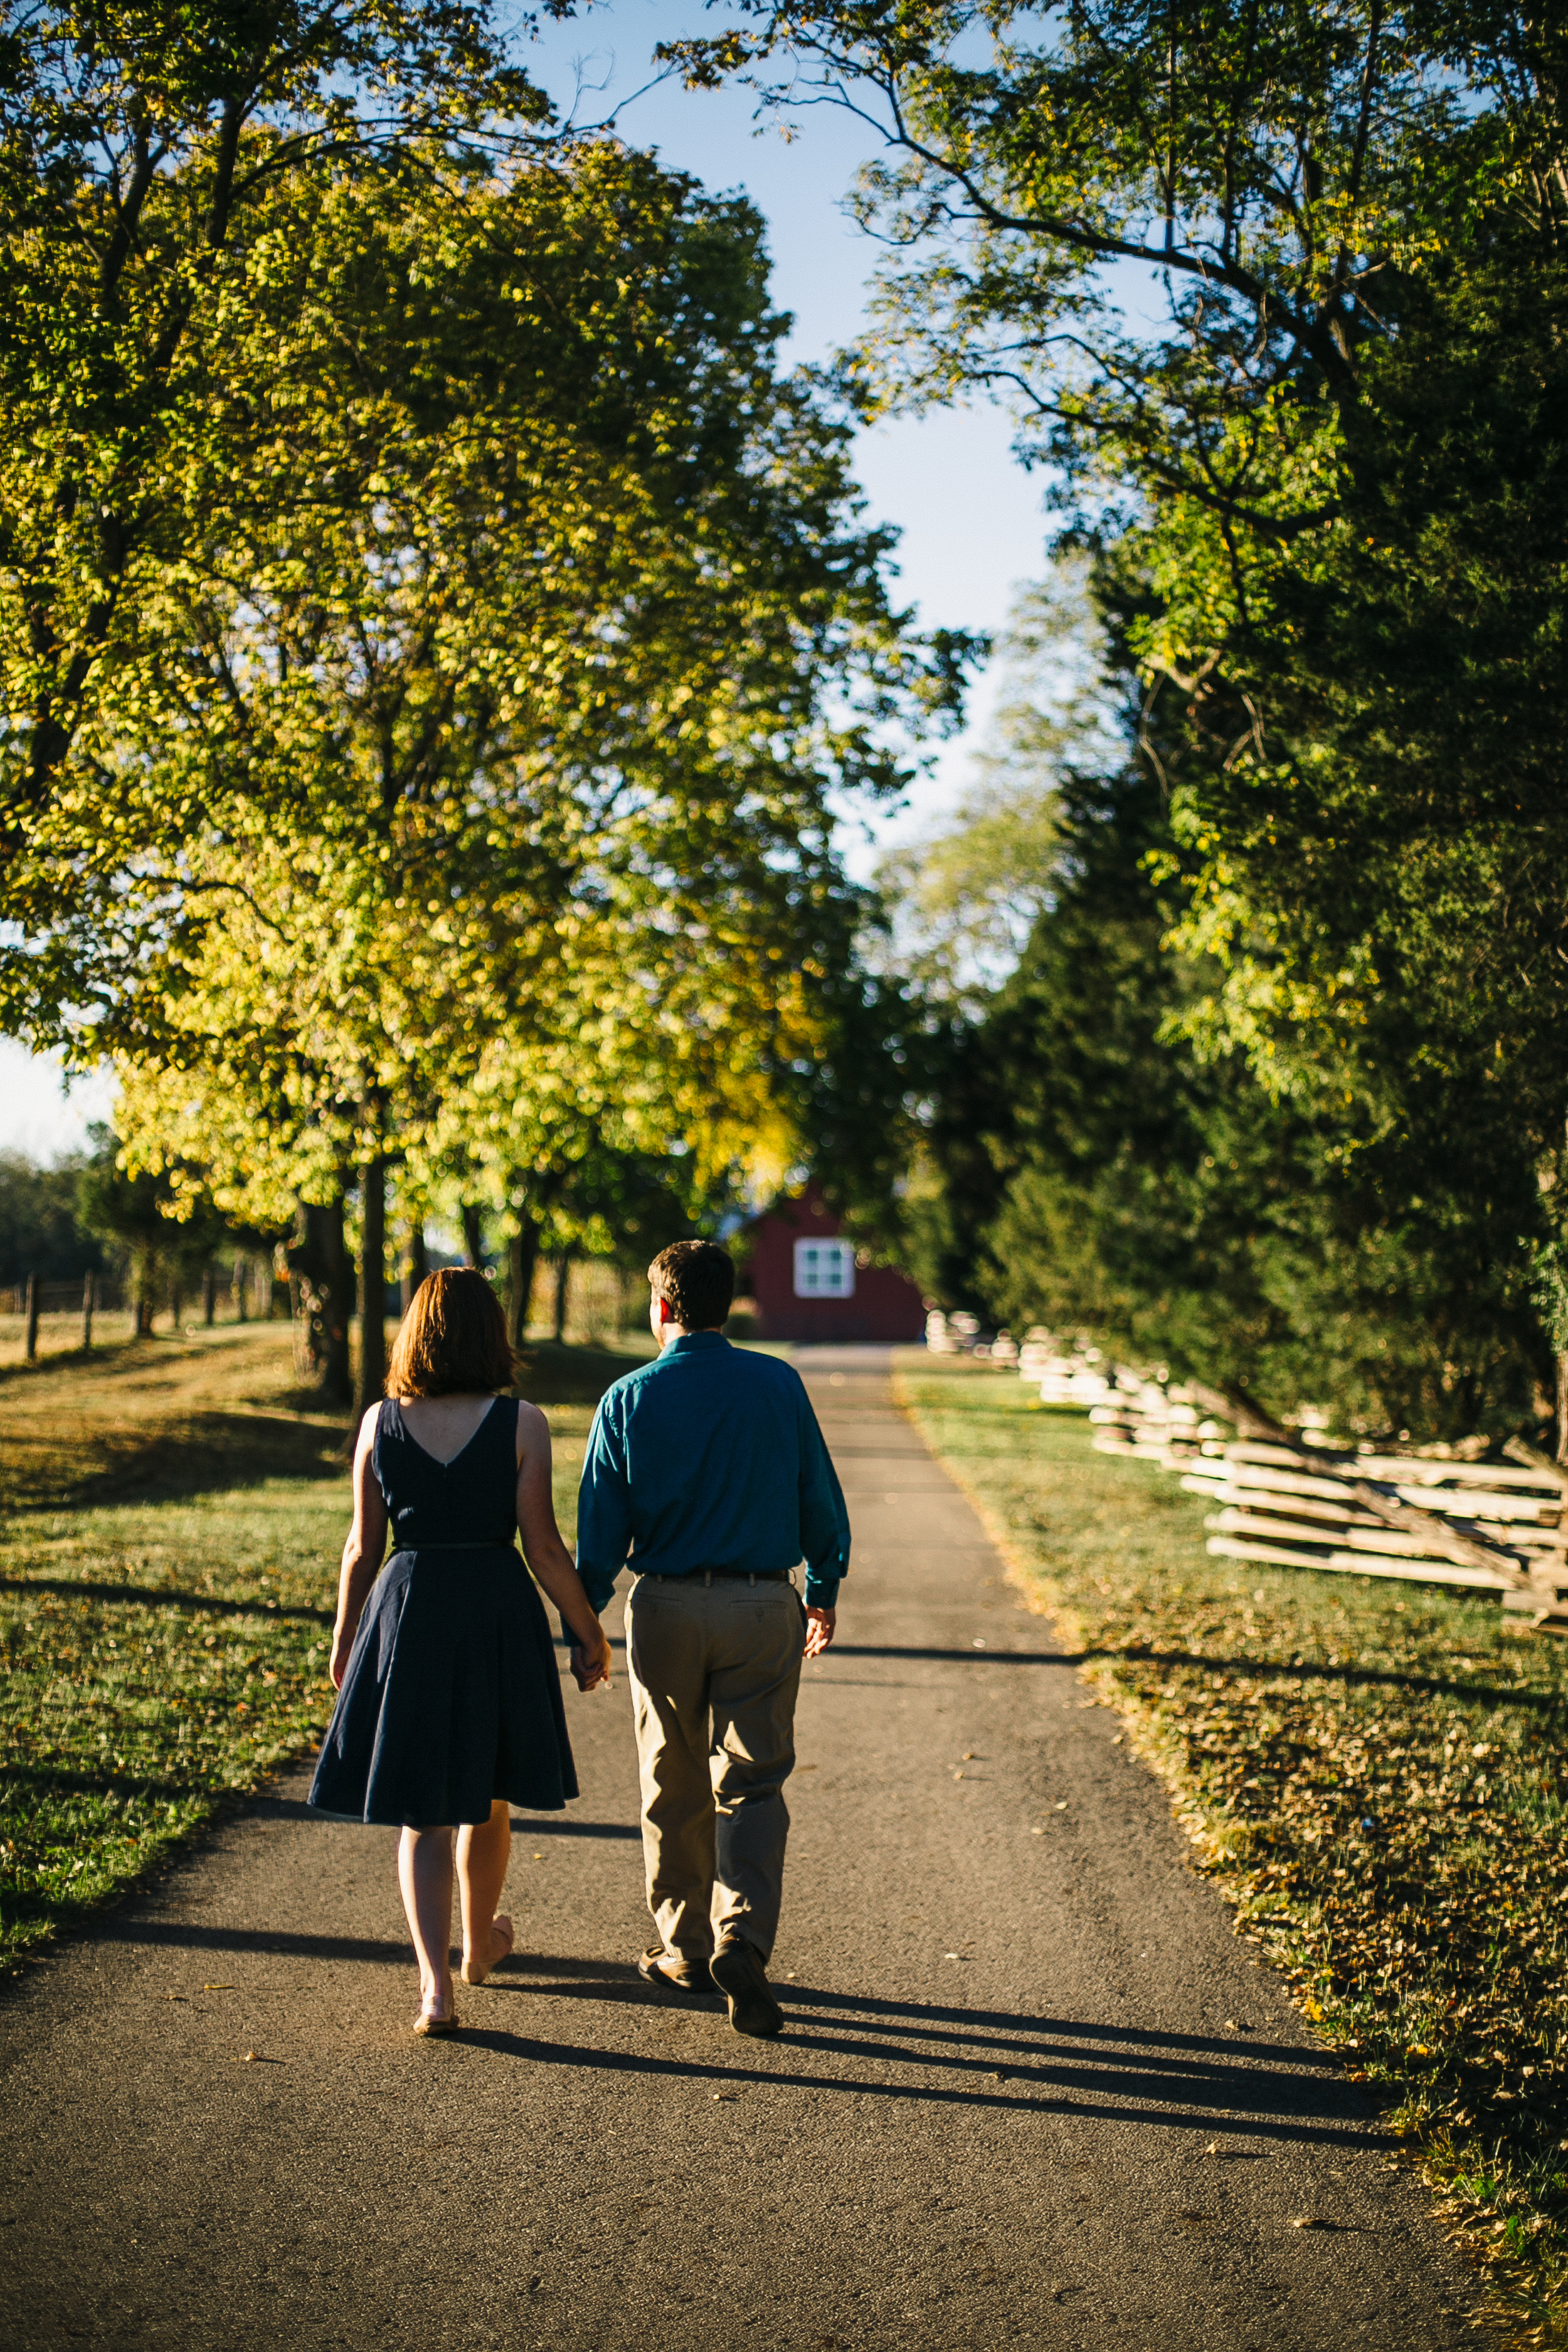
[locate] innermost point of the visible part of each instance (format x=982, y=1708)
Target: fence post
x=33, y=1289
x=88, y=1287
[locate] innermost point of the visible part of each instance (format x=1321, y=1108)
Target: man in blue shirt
x=706, y=1472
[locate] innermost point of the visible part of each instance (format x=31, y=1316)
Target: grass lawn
x=171, y=1515
x=1374, y=1775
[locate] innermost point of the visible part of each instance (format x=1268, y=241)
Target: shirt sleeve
x=824, y=1521
x=603, y=1511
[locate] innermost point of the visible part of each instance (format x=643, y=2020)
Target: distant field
x=1375, y=1774
x=172, y=1512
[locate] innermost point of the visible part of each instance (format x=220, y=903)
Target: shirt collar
x=689, y=1339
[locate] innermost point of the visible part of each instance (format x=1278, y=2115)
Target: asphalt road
x=1033, y=2092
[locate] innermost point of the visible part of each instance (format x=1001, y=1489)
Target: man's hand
x=590, y=1662
x=820, y=1627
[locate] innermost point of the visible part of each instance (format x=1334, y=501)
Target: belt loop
x=751, y=1580
x=707, y=1579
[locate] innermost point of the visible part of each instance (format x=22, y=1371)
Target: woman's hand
x=591, y=1661
x=337, y=1664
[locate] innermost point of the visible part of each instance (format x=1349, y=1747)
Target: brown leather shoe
x=677, y=1978
x=739, y=1973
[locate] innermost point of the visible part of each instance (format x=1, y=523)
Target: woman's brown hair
x=453, y=1340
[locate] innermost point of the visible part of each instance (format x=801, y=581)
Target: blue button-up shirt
x=709, y=1458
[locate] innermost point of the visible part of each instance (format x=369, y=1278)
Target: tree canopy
x=141, y=154
x=480, y=822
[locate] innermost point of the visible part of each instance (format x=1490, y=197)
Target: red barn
x=809, y=1283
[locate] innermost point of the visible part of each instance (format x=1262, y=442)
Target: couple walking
x=706, y=1472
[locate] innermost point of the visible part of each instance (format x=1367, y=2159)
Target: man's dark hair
x=699, y=1280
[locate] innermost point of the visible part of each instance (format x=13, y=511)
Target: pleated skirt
x=451, y=1698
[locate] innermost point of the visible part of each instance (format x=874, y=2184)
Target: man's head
x=694, y=1283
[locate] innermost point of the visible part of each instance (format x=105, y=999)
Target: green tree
x=168, y=1236
x=1281, y=294
x=1084, y=1166
x=504, y=794
x=40, y=1229
x=138, y=152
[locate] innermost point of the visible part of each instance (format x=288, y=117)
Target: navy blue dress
x=451, y=1697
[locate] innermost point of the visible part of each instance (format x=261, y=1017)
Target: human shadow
x=934, y=2054
x=601, y=1980
x=1258, y=2102
x=562, y=1825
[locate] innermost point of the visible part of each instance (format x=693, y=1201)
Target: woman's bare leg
x=484, y=1849
x=425, y=1877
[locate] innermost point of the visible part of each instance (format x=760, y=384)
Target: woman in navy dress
x=450, y=1706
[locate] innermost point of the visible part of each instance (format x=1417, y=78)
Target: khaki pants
x=715, y=1667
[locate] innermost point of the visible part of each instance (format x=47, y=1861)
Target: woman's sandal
x=500, y=1926
x=427, y=2024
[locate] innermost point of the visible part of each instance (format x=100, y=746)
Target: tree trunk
x=209, y=1294
x=89, y=1292
x=1562, y=1407
x=241, y=1269
x=141, y=1295
x=31, y=1319
x=563, y=1285
x=416, y=1265
x=474, y=1233
x=521, y=1257
x=373, y=1286
x=321, y=1263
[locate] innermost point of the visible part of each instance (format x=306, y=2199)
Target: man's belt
x=749, y=1575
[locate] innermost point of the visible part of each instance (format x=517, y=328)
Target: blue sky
x=970, y=518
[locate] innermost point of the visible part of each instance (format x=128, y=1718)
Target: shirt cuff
x=599, y=1587
x=821, y=1591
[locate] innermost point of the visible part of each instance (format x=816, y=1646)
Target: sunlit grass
x=170, y=1516
x=1373, y=1773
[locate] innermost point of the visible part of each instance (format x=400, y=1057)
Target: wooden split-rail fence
x=1290, y=1499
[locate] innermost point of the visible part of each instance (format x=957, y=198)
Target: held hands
x=820, y=1627
x=590, y=1661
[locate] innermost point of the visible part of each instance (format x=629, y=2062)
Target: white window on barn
x=824, y=1270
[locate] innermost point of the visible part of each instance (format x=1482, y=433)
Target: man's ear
x=663, y=1308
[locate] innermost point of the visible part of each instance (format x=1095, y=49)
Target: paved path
x=1033, y=2091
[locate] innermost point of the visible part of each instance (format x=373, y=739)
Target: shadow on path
x=1259, y=2102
